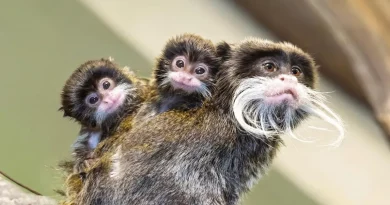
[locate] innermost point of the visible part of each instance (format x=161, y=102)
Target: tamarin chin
x=212, y=153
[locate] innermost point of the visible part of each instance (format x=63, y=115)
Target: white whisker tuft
x=129, y=90
x=318, y=128
x=126, y=90
x=166, y=82
x=248, y=109
x=204, y=91
x=100, y=116
x=261, y=119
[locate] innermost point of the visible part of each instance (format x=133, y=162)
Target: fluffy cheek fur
x=123, y=91
x=258, y=115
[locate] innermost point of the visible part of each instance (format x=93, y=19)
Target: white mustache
x=128, y=90
x=202, y=90
x=261, y=119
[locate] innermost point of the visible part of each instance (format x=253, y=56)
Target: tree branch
x=11, y=195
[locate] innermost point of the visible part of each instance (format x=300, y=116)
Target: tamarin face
x=273, y=87
x=97, y=93
x=105, y=97
x=187, y=66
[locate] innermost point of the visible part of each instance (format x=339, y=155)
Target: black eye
x=295, y=70
x=180, y=63
x=200, y=70
x=106, y=85
x=92, y=99
x=271, y=67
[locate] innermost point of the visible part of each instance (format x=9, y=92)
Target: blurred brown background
x=43, y=41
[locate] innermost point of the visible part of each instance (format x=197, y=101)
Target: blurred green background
x=41, y=43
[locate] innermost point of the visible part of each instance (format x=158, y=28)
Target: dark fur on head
x=83, y=81
x=242, y=57
x=248, y=84
x=196, y=49
x=224, y=50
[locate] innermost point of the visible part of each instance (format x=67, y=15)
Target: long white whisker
x=204, y=91
x=319, y=128
x=166, y=82
x=334, y=120
x=254, y=116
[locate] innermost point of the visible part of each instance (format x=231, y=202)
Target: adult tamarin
x=213, y=153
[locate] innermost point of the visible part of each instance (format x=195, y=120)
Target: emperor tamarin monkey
x=98, y=95
x=183, y=76
x=211, y=154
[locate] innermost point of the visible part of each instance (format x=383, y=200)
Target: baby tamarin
x=183, y=77
x=98, y=95
x=213, y=153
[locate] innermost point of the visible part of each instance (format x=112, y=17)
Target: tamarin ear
x=65, y=114
x=224, y=50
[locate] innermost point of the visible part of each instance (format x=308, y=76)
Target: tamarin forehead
x=250, y=51
x=95, y=75
x=193, y=47
x=258, y=47
x=91, y=70
x=245, y=57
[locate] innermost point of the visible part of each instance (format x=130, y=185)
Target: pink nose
x=183, y=78
x=108, y=99
x=288, y=78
